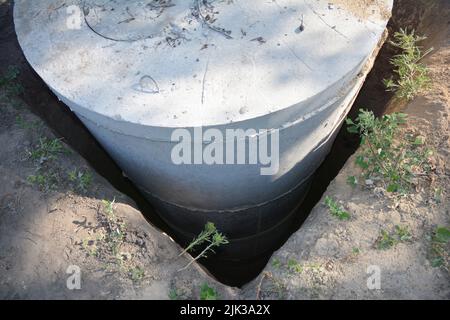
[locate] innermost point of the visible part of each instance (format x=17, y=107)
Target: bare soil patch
x=332, y=259
x=56, y=213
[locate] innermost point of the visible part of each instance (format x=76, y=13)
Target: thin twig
x=198, y=257
x=203, y=20
x=204, y=81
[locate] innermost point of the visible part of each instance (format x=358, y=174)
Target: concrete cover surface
x=184, y=64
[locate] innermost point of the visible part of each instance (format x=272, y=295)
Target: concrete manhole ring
x=137, y=71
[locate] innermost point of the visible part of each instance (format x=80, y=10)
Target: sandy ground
x=332, y=259
x=53, y=217
x=50, y=226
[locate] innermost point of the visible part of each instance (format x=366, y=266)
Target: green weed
x=23, y=124
x=8, y=81
x=203, y=237
x=45, y=181
x=115, y=228
x=208, y=293
x=403, y=234
x=294, y=266
x=47, y=149
x=173, y=294
x=336, y=210
x=393, y=162
x=352, y=181
x=90, y=247
x=439, y=251
x=411, y=75
x=136, y=274
x=212, y=237
x=108, y=207
x=276, y=263
x=81, y=179
x=386, y=240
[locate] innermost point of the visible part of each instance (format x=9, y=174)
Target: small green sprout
x=208, y=293
x=336, y=210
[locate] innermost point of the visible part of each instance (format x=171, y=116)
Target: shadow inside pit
x=66, y=125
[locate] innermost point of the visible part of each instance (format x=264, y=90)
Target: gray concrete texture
x=133, y=71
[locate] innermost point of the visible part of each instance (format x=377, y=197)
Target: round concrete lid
x=179, y=63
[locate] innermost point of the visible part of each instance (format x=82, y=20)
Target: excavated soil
x=332, y=259
x=45, y=229
x=50, y=226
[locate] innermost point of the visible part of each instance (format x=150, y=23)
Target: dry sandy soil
x=53, y=215
x=48, y=225
x=332, y=259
